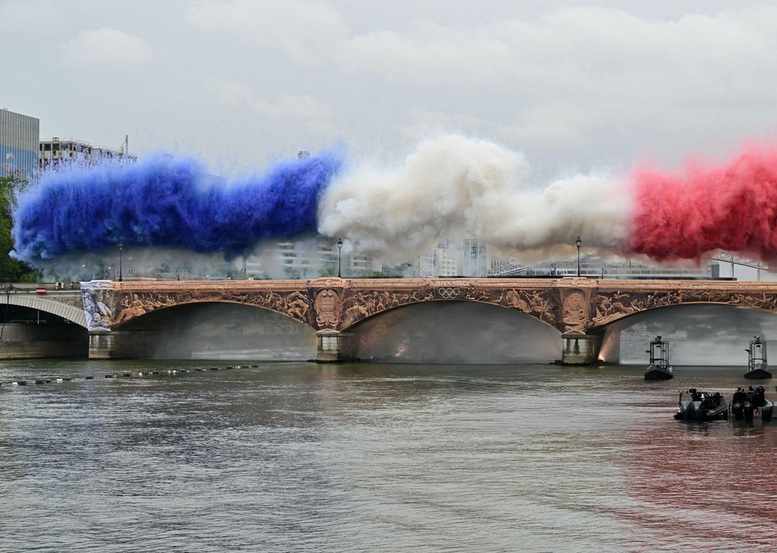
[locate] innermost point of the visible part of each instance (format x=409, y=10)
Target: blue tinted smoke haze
x=169, y=202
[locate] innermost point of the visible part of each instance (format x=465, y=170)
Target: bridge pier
x=335, y=347
x=116, y=344
x=100, y=344
x=579, y=349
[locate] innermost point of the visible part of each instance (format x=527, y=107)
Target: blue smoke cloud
x=170, y=202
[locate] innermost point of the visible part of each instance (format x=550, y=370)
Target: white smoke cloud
x=457, y=187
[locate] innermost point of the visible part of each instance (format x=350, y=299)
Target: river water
x=422, y=458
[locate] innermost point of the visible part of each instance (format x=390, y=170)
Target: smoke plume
x=732, y=207
x=455, y=187
x=167, y=202
x=450, y=187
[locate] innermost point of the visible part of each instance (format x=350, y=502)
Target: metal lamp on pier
x=121, y=249
x=339, y=257
x=578, y=243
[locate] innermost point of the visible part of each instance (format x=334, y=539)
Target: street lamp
x=339, y=257
x=578, y=243
x=121, y=248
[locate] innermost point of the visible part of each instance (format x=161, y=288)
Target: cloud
x=550, y=125
x=420, y=124
x=301, y=110
x=583, y=86
x=292, y=106
x=570, y=51
x=19, y=17
x=300, y=30
x=107, y=46
x=572, y=87
x=428, y=54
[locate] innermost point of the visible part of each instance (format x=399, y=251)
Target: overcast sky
x=575, y=86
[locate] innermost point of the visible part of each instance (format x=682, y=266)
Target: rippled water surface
x=306, y=457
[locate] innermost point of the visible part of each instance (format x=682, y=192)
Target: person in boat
x=711, y=401
x=740, y=396
x=759, y=396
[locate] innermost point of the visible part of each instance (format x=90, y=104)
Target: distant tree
x=11, y=270
x=329, y=270
x=296, y=273
x=233, y=273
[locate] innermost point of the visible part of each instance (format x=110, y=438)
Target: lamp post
x=121, y=249
x=578, y=243
x=339, y=257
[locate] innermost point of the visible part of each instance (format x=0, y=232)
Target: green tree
x=11, y=270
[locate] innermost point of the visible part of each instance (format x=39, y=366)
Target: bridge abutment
x=335, y=347
x=579, y=349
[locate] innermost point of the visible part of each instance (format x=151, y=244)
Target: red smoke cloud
x=690, y=215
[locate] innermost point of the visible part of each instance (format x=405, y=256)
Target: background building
x=312, y=258
x=19, y=137
x=55, y=152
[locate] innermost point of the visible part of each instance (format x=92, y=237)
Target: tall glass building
x=19, y=138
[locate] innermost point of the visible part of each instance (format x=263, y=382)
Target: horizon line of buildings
x=24, y=155
x=320, y=257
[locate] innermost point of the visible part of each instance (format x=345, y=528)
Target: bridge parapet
x=568, y=304
x=323, y=304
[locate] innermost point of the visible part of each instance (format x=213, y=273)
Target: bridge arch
x=362, y=304
x=451, y=331
x=702, y=333
x=70, y=313
x=215, y=330
x=612, y=305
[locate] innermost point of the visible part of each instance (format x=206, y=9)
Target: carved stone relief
x=294, y=304
x=575, y=312
x=539, y=304
x=327, y=309
x=96, y=300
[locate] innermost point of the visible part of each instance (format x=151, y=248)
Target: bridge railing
x=39, y=288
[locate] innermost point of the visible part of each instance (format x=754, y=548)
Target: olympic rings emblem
x=449, y=293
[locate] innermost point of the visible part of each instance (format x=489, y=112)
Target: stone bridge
x=580, y=308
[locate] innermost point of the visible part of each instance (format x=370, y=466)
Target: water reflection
x=306, y=457
x=456, y=332
x=710, y=479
